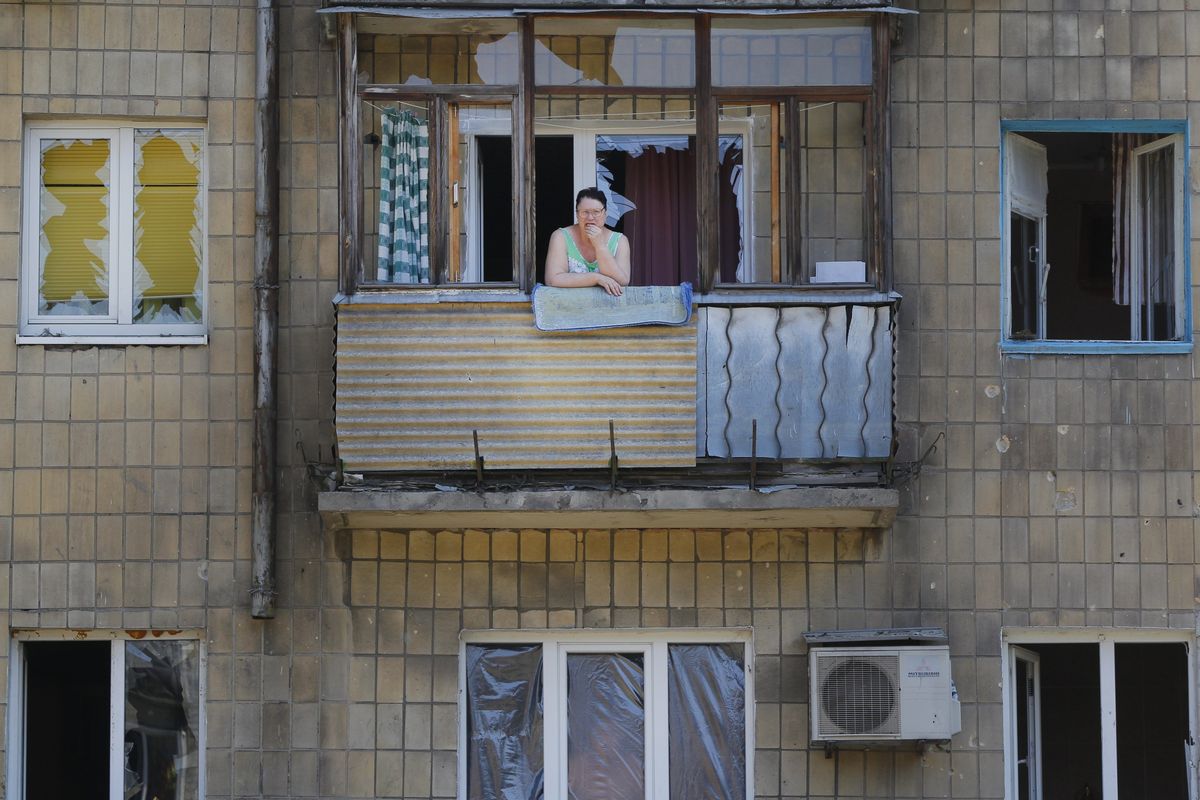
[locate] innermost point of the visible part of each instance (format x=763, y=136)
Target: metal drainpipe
x=266, y=308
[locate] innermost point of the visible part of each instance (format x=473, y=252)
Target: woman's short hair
x=591, y=193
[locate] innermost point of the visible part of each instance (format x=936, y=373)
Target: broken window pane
x=649, y=181
x=168, y=231
x=75, y=225
x=775, y=52
x=162, y=719
x=606, y=721
x=614, y=52
x=420, y=52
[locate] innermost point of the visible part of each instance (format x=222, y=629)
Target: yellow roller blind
x=75, y=222
x=168, y=241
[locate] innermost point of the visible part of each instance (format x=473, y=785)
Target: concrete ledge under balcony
x=820, y=507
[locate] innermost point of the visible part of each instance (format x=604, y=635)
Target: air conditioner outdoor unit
x=880, y=694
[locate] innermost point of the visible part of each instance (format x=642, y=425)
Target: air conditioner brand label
x=924, y=673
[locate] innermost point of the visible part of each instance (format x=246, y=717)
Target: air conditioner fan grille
x=858, y=695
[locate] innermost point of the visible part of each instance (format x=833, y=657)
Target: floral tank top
x=575, y=260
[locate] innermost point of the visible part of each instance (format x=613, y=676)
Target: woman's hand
x=594, y=233
x=608, y=284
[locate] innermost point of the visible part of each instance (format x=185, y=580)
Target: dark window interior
x=495, y=173
x=554, y=156
x=1152, y=721
x=554, y=203
x=1079, y=239
x=1071, y=752
x=67, y=714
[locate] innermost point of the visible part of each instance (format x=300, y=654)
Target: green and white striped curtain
x=403, y=200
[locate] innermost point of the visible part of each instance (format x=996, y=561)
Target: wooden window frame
x=877, y=189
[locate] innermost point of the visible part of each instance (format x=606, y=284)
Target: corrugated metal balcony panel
x=818, y=380
x=413, y=382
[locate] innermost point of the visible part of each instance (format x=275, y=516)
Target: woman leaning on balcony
x=588, y=253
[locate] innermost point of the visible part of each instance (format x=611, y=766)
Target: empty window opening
x=1060, y=696
x=1095, y=236
x=99, y=717
x=66, y=713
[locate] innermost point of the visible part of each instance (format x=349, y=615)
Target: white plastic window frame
x=15, y=730
x=118, y=326
x=1106, y=639
x=653, y=644
x=583, y=135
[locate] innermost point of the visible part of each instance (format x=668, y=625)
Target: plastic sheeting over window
x=606, y=726
x=504, y=722
x=707, y=720
x=162, y=720
x=75, y=225
x=611, y=744
x=168, y=234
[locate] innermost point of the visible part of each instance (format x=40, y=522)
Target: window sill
x=790, y=296
x=1067, y=347
x=798, y=296
x=87, y=340
x=404, y=297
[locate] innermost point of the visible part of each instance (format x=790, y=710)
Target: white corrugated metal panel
x=413, y=382
x=818, y=380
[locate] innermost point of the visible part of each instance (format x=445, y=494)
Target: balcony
x=793, y=400
x=419, y=383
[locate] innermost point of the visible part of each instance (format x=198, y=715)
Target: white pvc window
x=106, y=714
x=115, y=227
x=593, y=715
x=1100, y=713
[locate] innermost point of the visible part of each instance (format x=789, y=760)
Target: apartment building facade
x=935, y=395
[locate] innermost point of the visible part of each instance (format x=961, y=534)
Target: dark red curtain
x=729, y=233
x=662, y=229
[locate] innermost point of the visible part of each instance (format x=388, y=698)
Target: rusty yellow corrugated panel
x=413, y=382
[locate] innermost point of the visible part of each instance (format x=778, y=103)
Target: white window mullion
x=121, y=281
x=32, y=244
x=1181, y=239
x=16, y=720
x=116, y=721
x=554, y=718
x=748, y=698
x=585, y=160
x=1192, y=744
x=658, y=745
x=1108, y=716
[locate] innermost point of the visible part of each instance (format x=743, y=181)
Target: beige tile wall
x=124, y=472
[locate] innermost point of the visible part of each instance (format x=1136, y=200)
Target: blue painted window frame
x=1163, y=126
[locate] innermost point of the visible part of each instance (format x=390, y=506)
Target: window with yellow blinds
x=114, y=234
